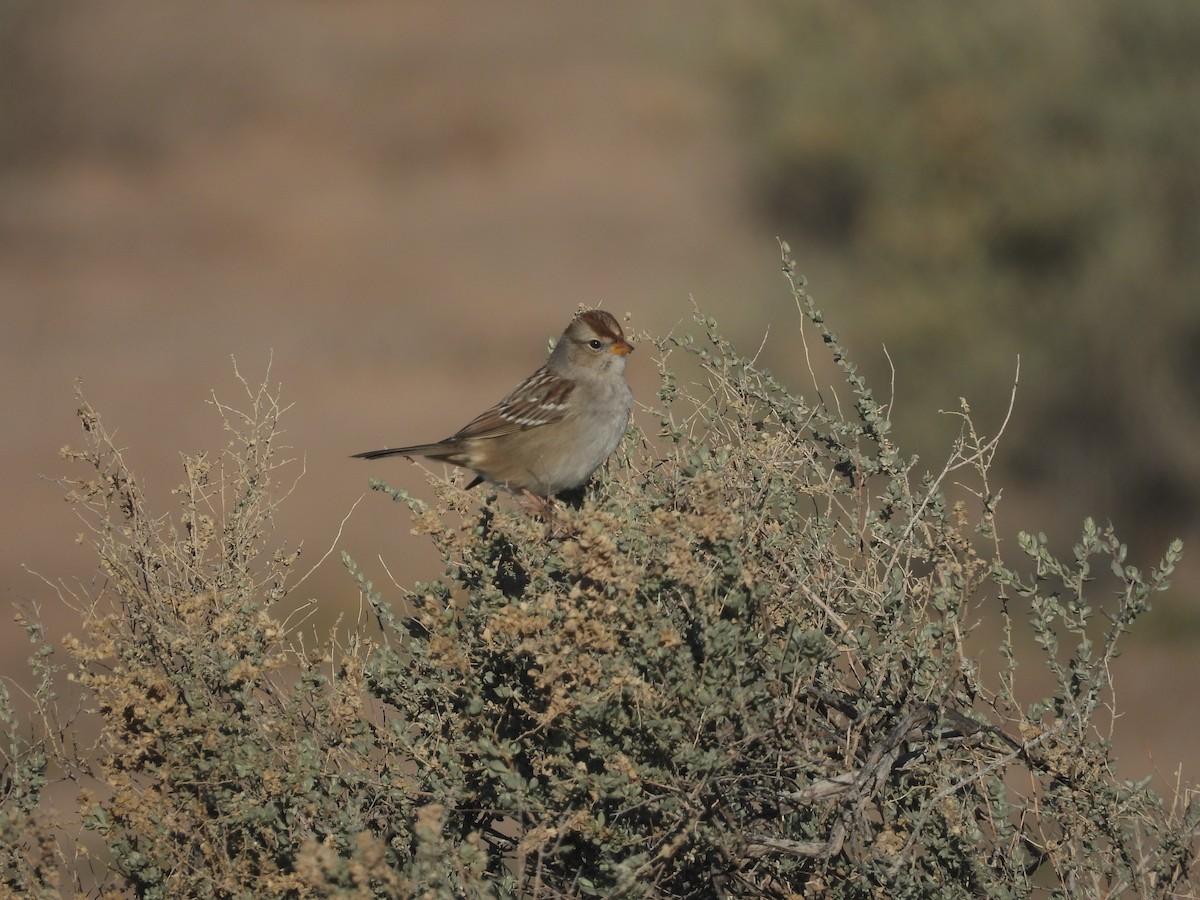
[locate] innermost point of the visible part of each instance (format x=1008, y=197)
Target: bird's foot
x=533, y=505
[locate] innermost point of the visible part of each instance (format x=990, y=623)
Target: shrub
x=740, y=665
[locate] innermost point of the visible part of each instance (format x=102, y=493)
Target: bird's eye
x=595, y=344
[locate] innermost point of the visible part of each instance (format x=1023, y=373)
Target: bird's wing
x=541, y=399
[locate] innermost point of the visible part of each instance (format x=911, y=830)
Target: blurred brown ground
x=399, y=204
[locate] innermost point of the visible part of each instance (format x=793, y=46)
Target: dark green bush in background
x=982, y=181
x=744, y=666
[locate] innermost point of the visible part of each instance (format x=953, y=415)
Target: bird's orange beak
x=621, y=348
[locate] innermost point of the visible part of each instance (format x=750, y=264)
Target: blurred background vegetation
x=986, y=182
x=379, y=192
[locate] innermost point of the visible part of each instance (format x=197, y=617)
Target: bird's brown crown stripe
x=603, y=323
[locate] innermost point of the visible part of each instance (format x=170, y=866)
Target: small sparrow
x=556, y=427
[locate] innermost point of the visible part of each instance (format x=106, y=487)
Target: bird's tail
x=432, y=450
